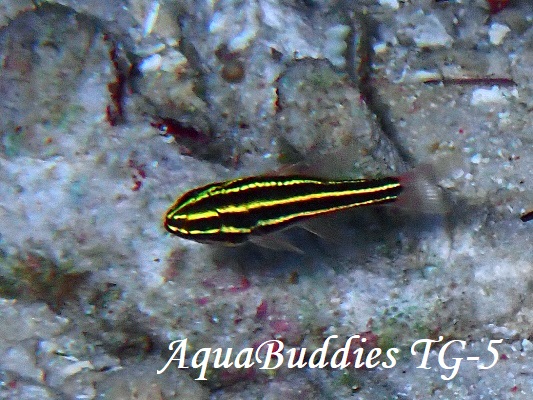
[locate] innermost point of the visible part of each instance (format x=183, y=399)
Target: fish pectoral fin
x=325, y=227
x=275, y=242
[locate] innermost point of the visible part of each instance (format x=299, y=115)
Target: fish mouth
x=175, y=224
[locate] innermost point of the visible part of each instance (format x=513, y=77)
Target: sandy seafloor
x=94, y=289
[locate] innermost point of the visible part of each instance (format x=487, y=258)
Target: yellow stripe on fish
x=236, y=210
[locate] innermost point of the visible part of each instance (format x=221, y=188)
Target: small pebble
x=527, y=346
x=488, y=96
x=497, y=33
x=390, y=3
x=476, y=158
x=152, y=63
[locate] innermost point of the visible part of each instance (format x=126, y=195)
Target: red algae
x=262, y=310
x=174, y=128
x=497, y=5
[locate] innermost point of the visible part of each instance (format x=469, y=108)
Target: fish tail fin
x=421, y=192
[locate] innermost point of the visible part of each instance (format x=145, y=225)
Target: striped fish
x=239, y=210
